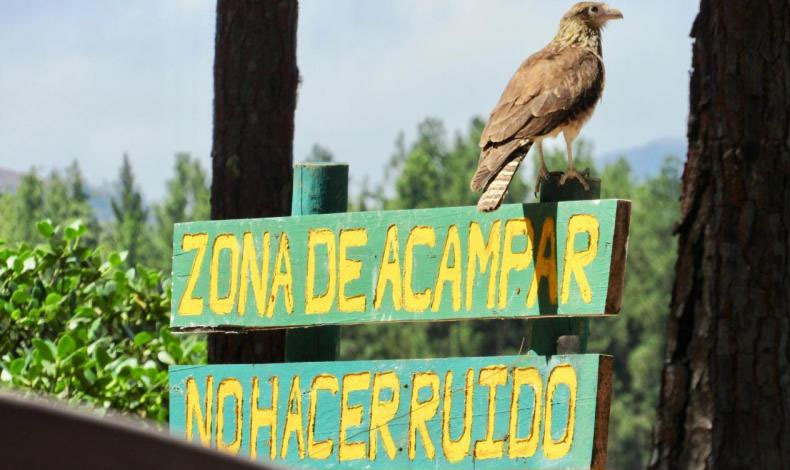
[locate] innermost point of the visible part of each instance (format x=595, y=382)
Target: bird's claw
x=573, y=174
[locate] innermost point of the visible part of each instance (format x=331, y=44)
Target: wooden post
x=318, y=188
x=551, y=336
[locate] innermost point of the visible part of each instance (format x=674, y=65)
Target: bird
x=554, y=91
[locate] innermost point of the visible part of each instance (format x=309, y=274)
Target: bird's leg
x=543, y=172
x=571, y=172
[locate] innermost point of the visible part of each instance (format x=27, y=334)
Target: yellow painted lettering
x=457, y=450
x=491, y=377
x=263, y=417
x=320, y=303
x=229, y=388
x=322, y=449
x=576, y=261
x=196, y=415
x=389, y=271
x=283, y=280
x=556, y=449
x=350, y=269
x=447, y=273
x=190, y=305
x=294, y=423
x=421, y=411
x=546, y=264
x=514, y=261
x=382, y=412
x=223, y=305
x=416, y=301
x=250, y=273
x=519, y=447
x=351, y=416
x=484, y=254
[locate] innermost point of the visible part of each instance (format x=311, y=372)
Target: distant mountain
x=646, y=160
x=9, y=180
x=100, y=198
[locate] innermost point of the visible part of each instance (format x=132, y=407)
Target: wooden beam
x=550, y=259
x=498, y=413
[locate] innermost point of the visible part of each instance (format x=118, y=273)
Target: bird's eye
x=593, y=10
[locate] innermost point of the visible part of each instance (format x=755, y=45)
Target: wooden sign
x=511, y=412
x=546, y=259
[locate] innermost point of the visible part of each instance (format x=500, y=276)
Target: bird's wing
x=544, y=93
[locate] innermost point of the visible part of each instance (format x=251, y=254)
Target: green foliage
x=58, y=198
x=131, y=217
x=187, y=199
x=25, y=208
x=84, y=321
x=78, y=197
x=319, y=154
x=432, y=173
x=84, y=327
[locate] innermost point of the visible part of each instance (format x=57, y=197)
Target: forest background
x=85, y=291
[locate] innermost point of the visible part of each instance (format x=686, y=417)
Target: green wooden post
x=319, y=188
x=562, y=335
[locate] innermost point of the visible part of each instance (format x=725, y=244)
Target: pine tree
x=80, y=205
x=56, y=201
x=129, y=227
x=187, y=199
x=23, y=209
x=319, y=154
x=77, y=189
x=62, y=200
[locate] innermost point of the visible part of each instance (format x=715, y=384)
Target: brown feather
x=547, y=91
x=495, y=157
x=496, y=190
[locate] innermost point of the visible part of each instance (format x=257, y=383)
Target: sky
x=90, y=80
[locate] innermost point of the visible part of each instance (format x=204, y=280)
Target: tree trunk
x=255, y=81
x=725, y=395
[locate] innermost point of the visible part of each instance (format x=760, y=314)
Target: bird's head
x=593, y=14
x=582, y=25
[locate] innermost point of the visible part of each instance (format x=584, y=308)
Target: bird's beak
x=612, y=14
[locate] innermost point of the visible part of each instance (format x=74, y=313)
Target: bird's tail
x=495, y=191
x=496, y=188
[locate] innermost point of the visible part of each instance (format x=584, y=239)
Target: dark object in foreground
x=40, y=435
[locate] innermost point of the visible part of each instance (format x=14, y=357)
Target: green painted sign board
x=510, y=412
x=550, y=259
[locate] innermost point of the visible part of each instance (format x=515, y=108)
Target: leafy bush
x=82, y=327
